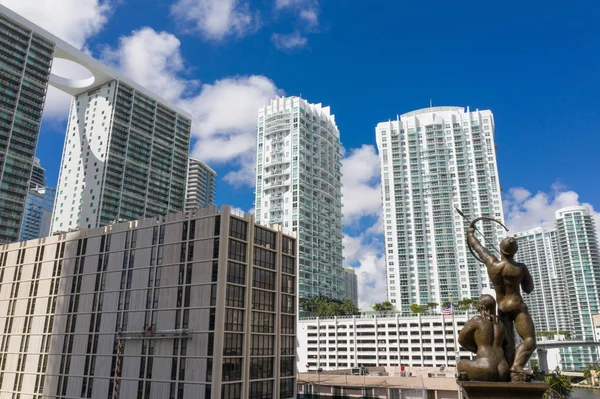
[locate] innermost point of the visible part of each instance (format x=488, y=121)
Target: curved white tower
x=298, y=185
x=432, y=160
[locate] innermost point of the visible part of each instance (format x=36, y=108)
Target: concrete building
x=298, y=185
x=26, y=59
x=378, y=341
x=351, y=285
x=547, y=303
x=190, y=305
x=37, y=217
x=433, y=160
x=596, y=321
x=38, y=175
x=200, y=189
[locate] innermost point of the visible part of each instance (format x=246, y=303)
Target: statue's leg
x=525, y=328
x=509, y=349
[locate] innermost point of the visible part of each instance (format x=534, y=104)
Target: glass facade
x=433, y=160
x=38, y=213
x=25, y=62
x=298, y=186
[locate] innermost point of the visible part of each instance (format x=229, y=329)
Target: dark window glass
x=236, y=273
x=287, y=366
x=209, y=366
x=288, y=304
x=232, y=369
x=261, y=390
x=217, y=225
x=263, y=322
x=211, y=344
x=234, y=320
x=237, y=250
x=215, y=270
x=216, y=248
x=211, y=320
x=264, y=258
x=184, y=232
x=233, y=344
x=288, y=345
x=288, y=246
x=235, y=296
x=193, y=231
x=264, y=238
x=286, y=388
x=262, y=345
x=231, y=391
x=238, y=229
x=263, y=300
x=288, y=284
x=288, y=324
x=263, y=279
x=288, y=265
x=213, y=295
x=261, y=367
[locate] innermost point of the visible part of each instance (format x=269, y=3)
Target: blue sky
x=534, y=64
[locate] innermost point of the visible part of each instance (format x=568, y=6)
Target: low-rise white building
x=379, y=340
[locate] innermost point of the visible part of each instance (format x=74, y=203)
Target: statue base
x=502, y=390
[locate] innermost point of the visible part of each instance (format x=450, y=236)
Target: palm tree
x=560, y=386
x=417, y=308
x=432, y=305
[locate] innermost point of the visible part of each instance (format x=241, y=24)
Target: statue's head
x=509, y=246
x=487, y=304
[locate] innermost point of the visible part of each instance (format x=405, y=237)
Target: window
x=237, y=250
x=261, y=367
x=263, y=322
x=264, y=237
x=235, y=296
x=264, y=258
x=286, y=388
x=234, y=320
x=288, y=246
x=287, y=304
x=231, y=391
x=263, y=300
x=215, y=270
x=287, y=366
x=261, y=390
x=288, y=324
x=288, y=284
x=232, y=370
x=263, y=279
x=288, y=265
x=236, y=273
x=233, y=345
x=288, y=345
x=238, y=229
x=262, y=345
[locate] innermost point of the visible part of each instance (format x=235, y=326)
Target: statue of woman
x=485, y=336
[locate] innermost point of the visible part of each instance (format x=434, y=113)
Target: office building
x=351, y=285
x=38, y=213
x=126, y=149
x=298, y=186
x=26, y=59
x=191, y=305
x=547, y=303
x=201, y=181
x=378, y=340
x=433, y=160
x=38, y=175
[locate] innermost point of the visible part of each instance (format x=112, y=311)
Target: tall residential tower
x=200, y=189
x=298, y=185
x=433, y=160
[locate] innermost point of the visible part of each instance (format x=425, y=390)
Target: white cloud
x=224, y=112
x=524, y=210
x=74, y=21
x=307, y=10
x=288, y=41
x=216, y=19
x=361, y=188
x=365, y=255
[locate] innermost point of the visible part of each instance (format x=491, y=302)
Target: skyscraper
x=298, y=185
x=26, y=58
x=199, y=304
x=351, y=285
x=37, y=217
x=200, y=189
x=433, y=160
x=38, y=175
x=125, y=158
x=547, y=303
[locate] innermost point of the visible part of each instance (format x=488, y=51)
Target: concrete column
x=543, y=359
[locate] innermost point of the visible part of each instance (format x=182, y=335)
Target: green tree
x=347, y=307
x=322, y=306
x=560, y=386
x=417, y=309
x=432, y=305
x=383, y=307
x=467, y=304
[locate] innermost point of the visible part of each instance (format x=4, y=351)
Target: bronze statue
x=486, y=337
x=508, y=277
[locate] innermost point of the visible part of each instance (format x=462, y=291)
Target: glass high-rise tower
x=433, y=160
x=298, y=186
x=25, y=62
